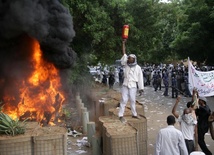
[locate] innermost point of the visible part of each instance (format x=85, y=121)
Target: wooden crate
x=142, y=137
x=50, y=141
x=142, y=147
x=17, y=145
x=140, y=125
x=36, y=141
x=106, y=119
x=108, y=104
x=139, y=108
x=111, y=124
x=119, y=139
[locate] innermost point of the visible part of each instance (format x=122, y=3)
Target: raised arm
x=194, y=94
x=174, y=112
x=124, y=57
x=124, y=46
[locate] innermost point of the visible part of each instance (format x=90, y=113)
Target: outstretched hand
x=124, y=46
x=178, y=99
x=195, y=92
x=124, y=41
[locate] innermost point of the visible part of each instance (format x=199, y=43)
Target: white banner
x=202, y=81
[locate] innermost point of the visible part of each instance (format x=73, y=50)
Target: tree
x=98, y=26
x=196, y=39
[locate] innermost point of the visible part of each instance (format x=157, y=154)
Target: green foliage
x=96, y=34
x=158, y=31
x=66, y=113
x=79, y=75
x=11, y=127
x=196, y=32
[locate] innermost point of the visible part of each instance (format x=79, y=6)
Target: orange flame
x=40, y=96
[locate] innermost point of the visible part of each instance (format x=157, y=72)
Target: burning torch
x=125, y=32
x=125, y=35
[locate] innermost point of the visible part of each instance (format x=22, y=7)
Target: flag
x=202, y=81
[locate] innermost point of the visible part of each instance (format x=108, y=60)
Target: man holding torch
x=133, y=79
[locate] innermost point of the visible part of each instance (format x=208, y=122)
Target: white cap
x=132, y=55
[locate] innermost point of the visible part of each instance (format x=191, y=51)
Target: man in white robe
x=133, y=80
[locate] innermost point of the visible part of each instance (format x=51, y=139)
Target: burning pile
x=39, y=95
x=34, y=47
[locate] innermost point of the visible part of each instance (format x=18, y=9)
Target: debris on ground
x=73, y=133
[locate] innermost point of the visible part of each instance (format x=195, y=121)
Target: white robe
x=132, y=75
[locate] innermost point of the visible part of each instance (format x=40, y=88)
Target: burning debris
x=34, y=46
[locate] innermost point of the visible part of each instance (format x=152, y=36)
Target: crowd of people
x=195, y=121
x=110, y=76
x=169, y=77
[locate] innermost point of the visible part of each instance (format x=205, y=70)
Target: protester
x=104, y=79
x=111, y=80
x=174, y=85
x=121, y=76
x=170, y=141
x=154, y=81
x=159, y=80
x=133, y=78
x=187, y=125
x=148, y=74
x=166, y=83
x=179, y=80
x=203, y=112
x=116, y=75
x=211, y=127
x=186, y=85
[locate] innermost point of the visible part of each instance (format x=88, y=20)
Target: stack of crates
x=119, y=139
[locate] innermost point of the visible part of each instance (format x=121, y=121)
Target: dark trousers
x=174, y=92
x=190, y=145
x=202, y=143
x=179, y=85
x=155, y=85
x=166, y=91
x=159, y=86
x=187, y=92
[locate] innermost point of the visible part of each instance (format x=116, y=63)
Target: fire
x=40, y=98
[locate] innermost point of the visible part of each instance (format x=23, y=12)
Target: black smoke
x=47, y=21
x=22, y=21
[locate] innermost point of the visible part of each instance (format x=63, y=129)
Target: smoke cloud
x=47, y=21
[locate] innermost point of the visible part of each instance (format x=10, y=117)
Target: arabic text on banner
x=202, y=81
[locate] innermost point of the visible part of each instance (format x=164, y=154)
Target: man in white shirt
x=187, y=126
x=133, y=77
x=170, y=141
